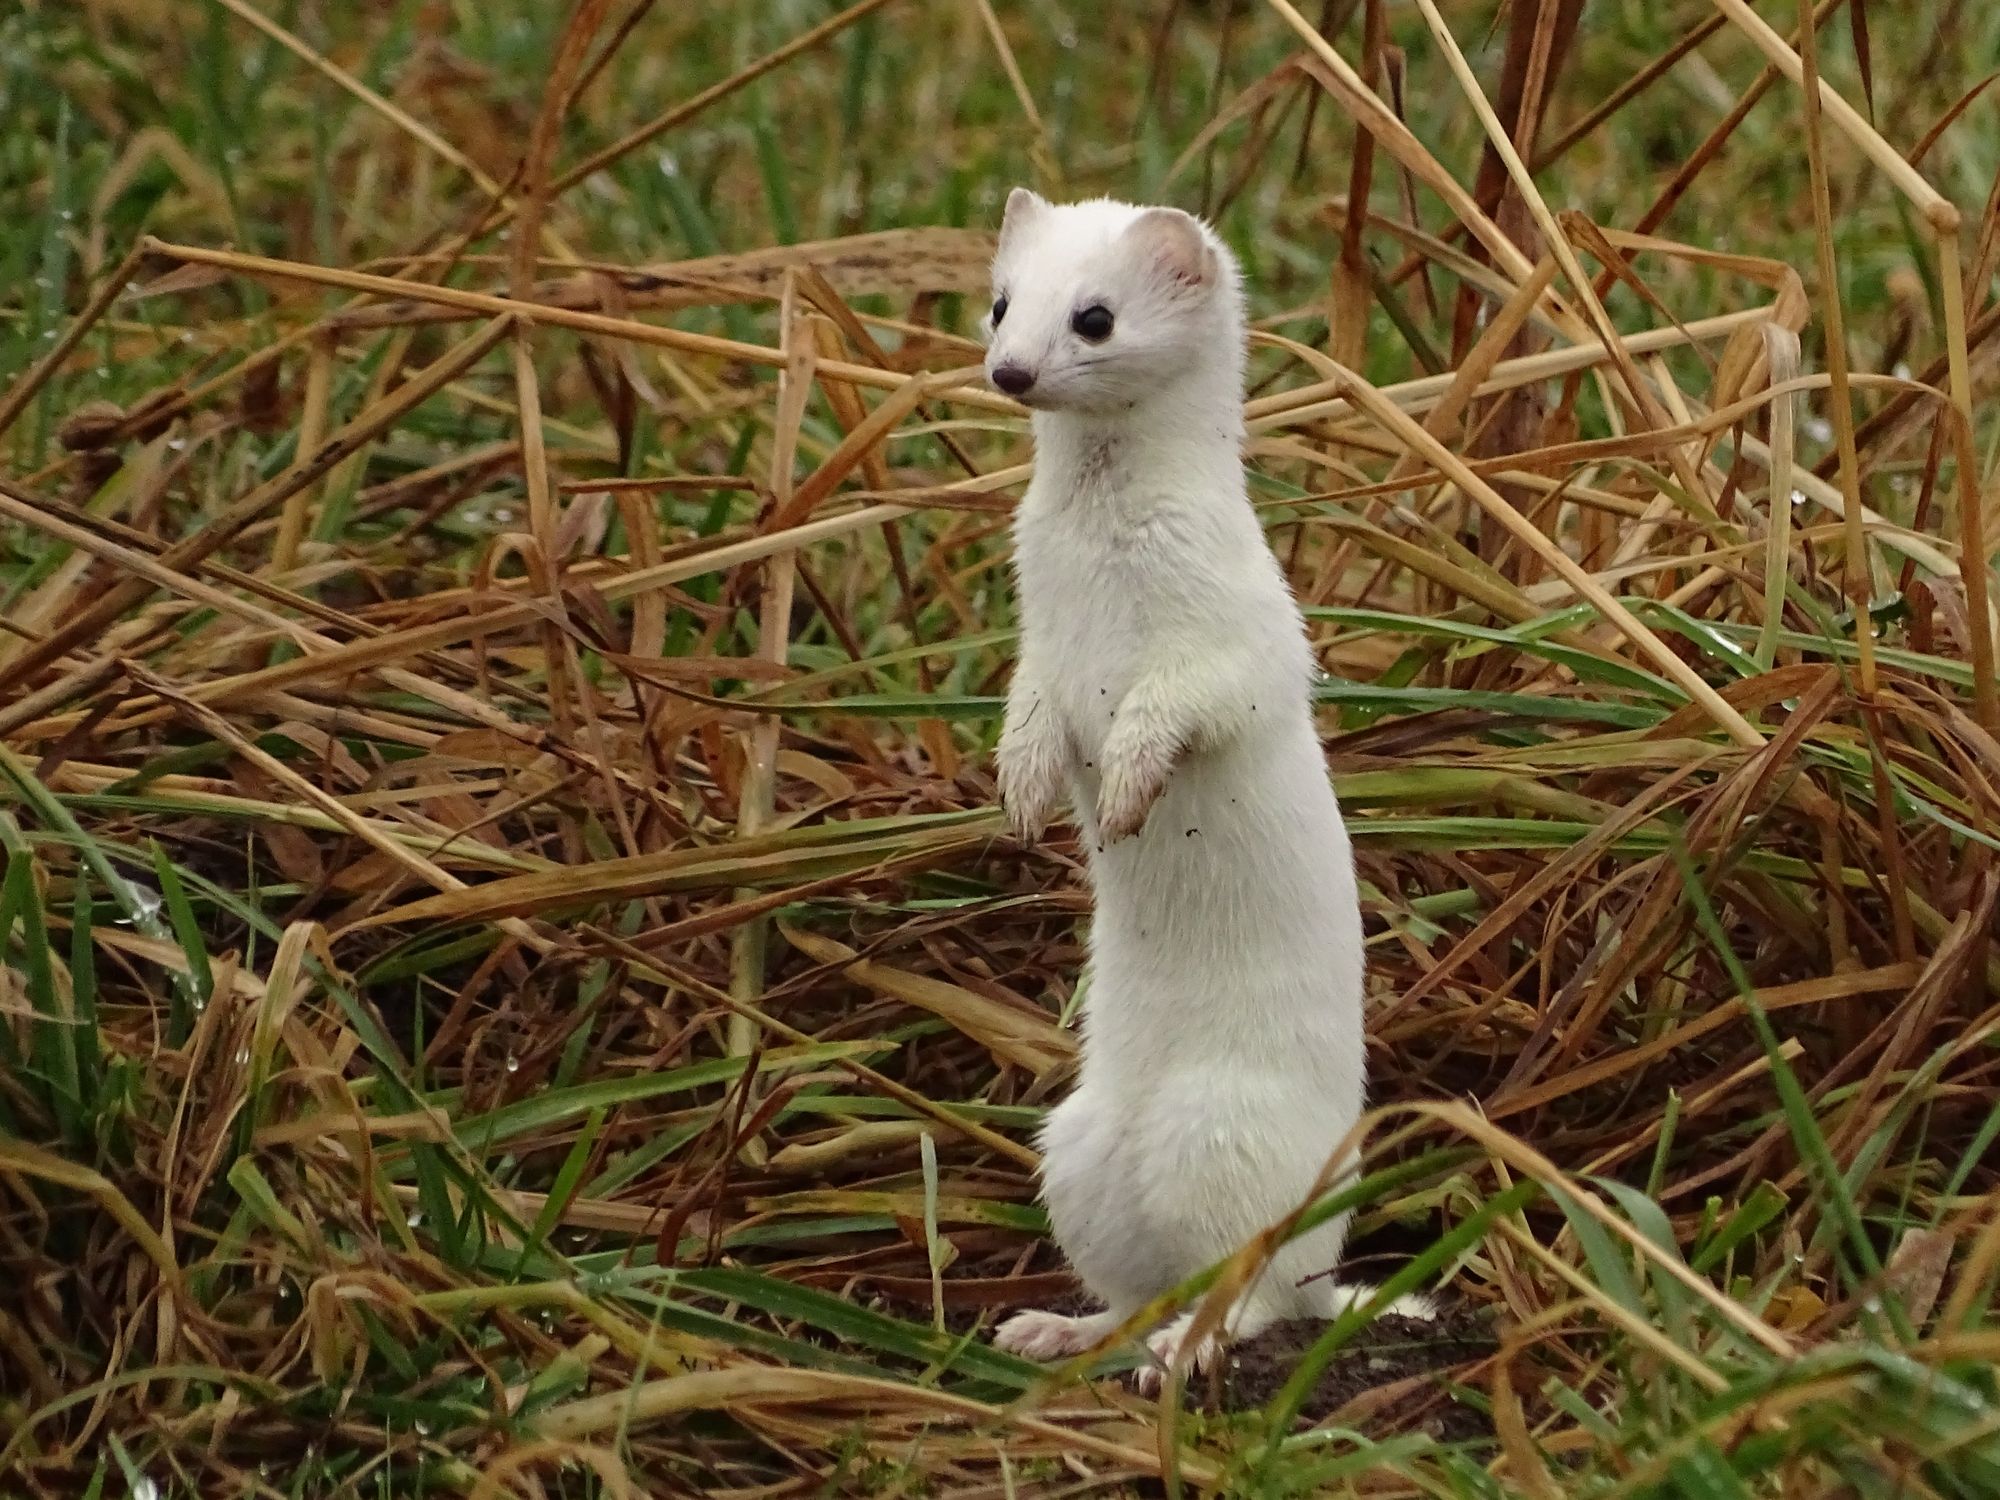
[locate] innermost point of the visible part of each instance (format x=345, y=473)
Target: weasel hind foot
x=1169, y=1344
x=1410, y=1305
x=1047, y=1336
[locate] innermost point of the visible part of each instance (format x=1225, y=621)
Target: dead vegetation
x=515, y=982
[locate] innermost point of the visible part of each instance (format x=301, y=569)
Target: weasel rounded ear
x=1172, y=243
x=1024, y=205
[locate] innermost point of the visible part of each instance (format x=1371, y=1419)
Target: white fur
x=1163, y=686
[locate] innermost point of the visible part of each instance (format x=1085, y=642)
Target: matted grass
x=515, y=982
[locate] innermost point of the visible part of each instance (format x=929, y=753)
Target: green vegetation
x=513, y=980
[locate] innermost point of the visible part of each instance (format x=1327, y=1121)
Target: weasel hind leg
x=1093, y=1214
x=1096, y=1210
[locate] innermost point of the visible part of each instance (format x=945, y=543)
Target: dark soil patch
x=1393, y=1375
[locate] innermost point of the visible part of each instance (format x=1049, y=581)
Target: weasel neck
x=1191, y=431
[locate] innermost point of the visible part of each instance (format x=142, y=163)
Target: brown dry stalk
x=387, y=109
x=1939, y=211
x=220, y=529
x=533, y=204
x=1599, y=321
x=1395, y=421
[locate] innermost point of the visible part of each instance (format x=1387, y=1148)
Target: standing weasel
x=1164, y=690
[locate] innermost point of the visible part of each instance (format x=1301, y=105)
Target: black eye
x=1093, y=323
x=999, y=310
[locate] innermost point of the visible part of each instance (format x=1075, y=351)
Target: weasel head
x=1100, y=306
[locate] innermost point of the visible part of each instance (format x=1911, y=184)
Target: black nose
x=1015, y=380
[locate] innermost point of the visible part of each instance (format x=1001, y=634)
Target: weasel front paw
x=1032, y=773
x=1031, y=786
x=1134, y=778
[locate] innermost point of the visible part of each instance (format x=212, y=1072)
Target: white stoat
x=1163, y=689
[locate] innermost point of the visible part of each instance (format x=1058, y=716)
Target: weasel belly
x=1229, y=926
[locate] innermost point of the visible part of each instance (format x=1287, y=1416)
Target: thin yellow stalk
x=1043, y=157
x=1281, y=409
x=1615, y=1312
x=1829, y=497
x=681, y=113
x=631, y=329
x=377, y=651
x=352, y=822
x=758, y=795
x=761, y=1384
x=296, y=518
x=542, y=525
x=1974, y=559
x=534, y=450
x=24, y=712
x=1859, y=577
x=31, y=511
x=650, y=964
x=1781, y=351
x=1557, y=241
x=19, y=506
x=1663, y=504
x=1397, y=138
x=1312, y=403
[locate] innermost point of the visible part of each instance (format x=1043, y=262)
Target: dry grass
x=515, y=981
